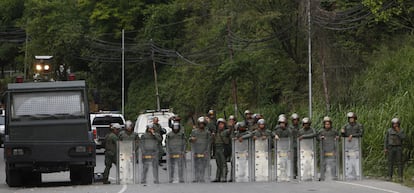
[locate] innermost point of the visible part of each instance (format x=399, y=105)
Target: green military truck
x=48, y=130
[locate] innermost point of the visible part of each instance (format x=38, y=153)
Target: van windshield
x=47, y=105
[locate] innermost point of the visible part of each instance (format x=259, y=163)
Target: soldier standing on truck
x=110, y=150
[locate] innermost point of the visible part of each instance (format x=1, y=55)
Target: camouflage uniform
x=158, y=129
x=200, y=149
x=354, y=129
x=176, y=144
x=110, y=153
x=329, y=150
x=149, y=148
x=221, y=139
x=393, y=145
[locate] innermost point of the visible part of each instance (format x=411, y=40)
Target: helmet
x=201, y=120
x=128, y=124
x=115, y=126
x=395, y=120
x=351, y=115
x=211, y=112
x=258, y=116
x=241, y=124
x=176, y=126
x=232, y=117
x=282, y=119
x=221, y=120
x=306, y=120
x=327, y=119
x=247, y=112
x=261, y=122
x=294, y=116
x=282, y=115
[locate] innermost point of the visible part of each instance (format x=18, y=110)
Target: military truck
x=48, y=130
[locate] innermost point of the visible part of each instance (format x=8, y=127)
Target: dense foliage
x=208, y=52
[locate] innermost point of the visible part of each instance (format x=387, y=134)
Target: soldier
x=161, y=131
x=231, y=125
x=352, y=129
x=176, y=144
x=306, y=132
x=149, y=148
x=211, y=121
x=328, y=138
x=282, y=131
x=110, y=150
x=221, y=141
x=393, y=148
x=294, y=129
x=248, y=115
x=128, y=133
x=261, y=132
x=200, y=139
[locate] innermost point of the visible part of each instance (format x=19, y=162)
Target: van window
x=107, y=120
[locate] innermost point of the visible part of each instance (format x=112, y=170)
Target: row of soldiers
x=218, y=135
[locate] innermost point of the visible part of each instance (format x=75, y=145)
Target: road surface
x=58, y=183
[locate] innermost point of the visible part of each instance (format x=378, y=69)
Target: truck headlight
x=46, y=67
x=38, y=67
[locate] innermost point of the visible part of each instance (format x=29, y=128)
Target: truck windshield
x=47, y=105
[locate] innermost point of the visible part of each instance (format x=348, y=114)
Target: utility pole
x=25, y=57
x=233, y=81
x=155, y=77
x=123, y=72
x=310, y=57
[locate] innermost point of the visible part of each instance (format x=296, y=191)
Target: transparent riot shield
x=126, y=162
x=262, y=167
x=241, y=160
x=306, y=159
x=176, y=160
x=148, y=162
x=352, y=154
x=329, y=159
x=283, y=160
x=200, y=161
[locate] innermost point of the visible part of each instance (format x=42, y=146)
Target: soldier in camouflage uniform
x=328, y=136
x=282, y=130
x=200, y=139
x=176, y=144
x=352, y=129
x=261, y=132
x=149, y=149
x=221, y=139
x=129, y=134
x=110, y=150
x=306, y=132
x=248, y=115
x=231, y=125
x=161, y=131
x=294, y=129
x=393, y=147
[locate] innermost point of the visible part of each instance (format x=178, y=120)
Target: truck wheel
x=81, y=175
x=33, y=178
x=87, y=175
x=13, y=177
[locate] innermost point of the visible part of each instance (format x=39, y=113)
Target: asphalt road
x=59, y=183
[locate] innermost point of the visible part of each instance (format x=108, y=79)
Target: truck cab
x=48, y=130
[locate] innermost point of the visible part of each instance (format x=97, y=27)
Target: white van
x=145, y=119
x=101, y=122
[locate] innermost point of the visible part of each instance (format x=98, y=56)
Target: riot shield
x=352, y=154
x=176, y=160
x=262, y=160
x=306, y=159
x=200, y=161
x=148, y=161
x=241, y=160
x=329, y=159
x=283, y=160
x=126, y=162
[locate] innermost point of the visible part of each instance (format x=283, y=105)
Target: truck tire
x=13, y=177
x=32, y=178
x=81, y=175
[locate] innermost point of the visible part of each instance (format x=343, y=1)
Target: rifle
x=194, y=123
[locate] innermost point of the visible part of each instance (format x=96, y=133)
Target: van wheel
x=13, y=177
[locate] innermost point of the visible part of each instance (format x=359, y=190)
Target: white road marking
x=369, y=187
x=124, y=188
